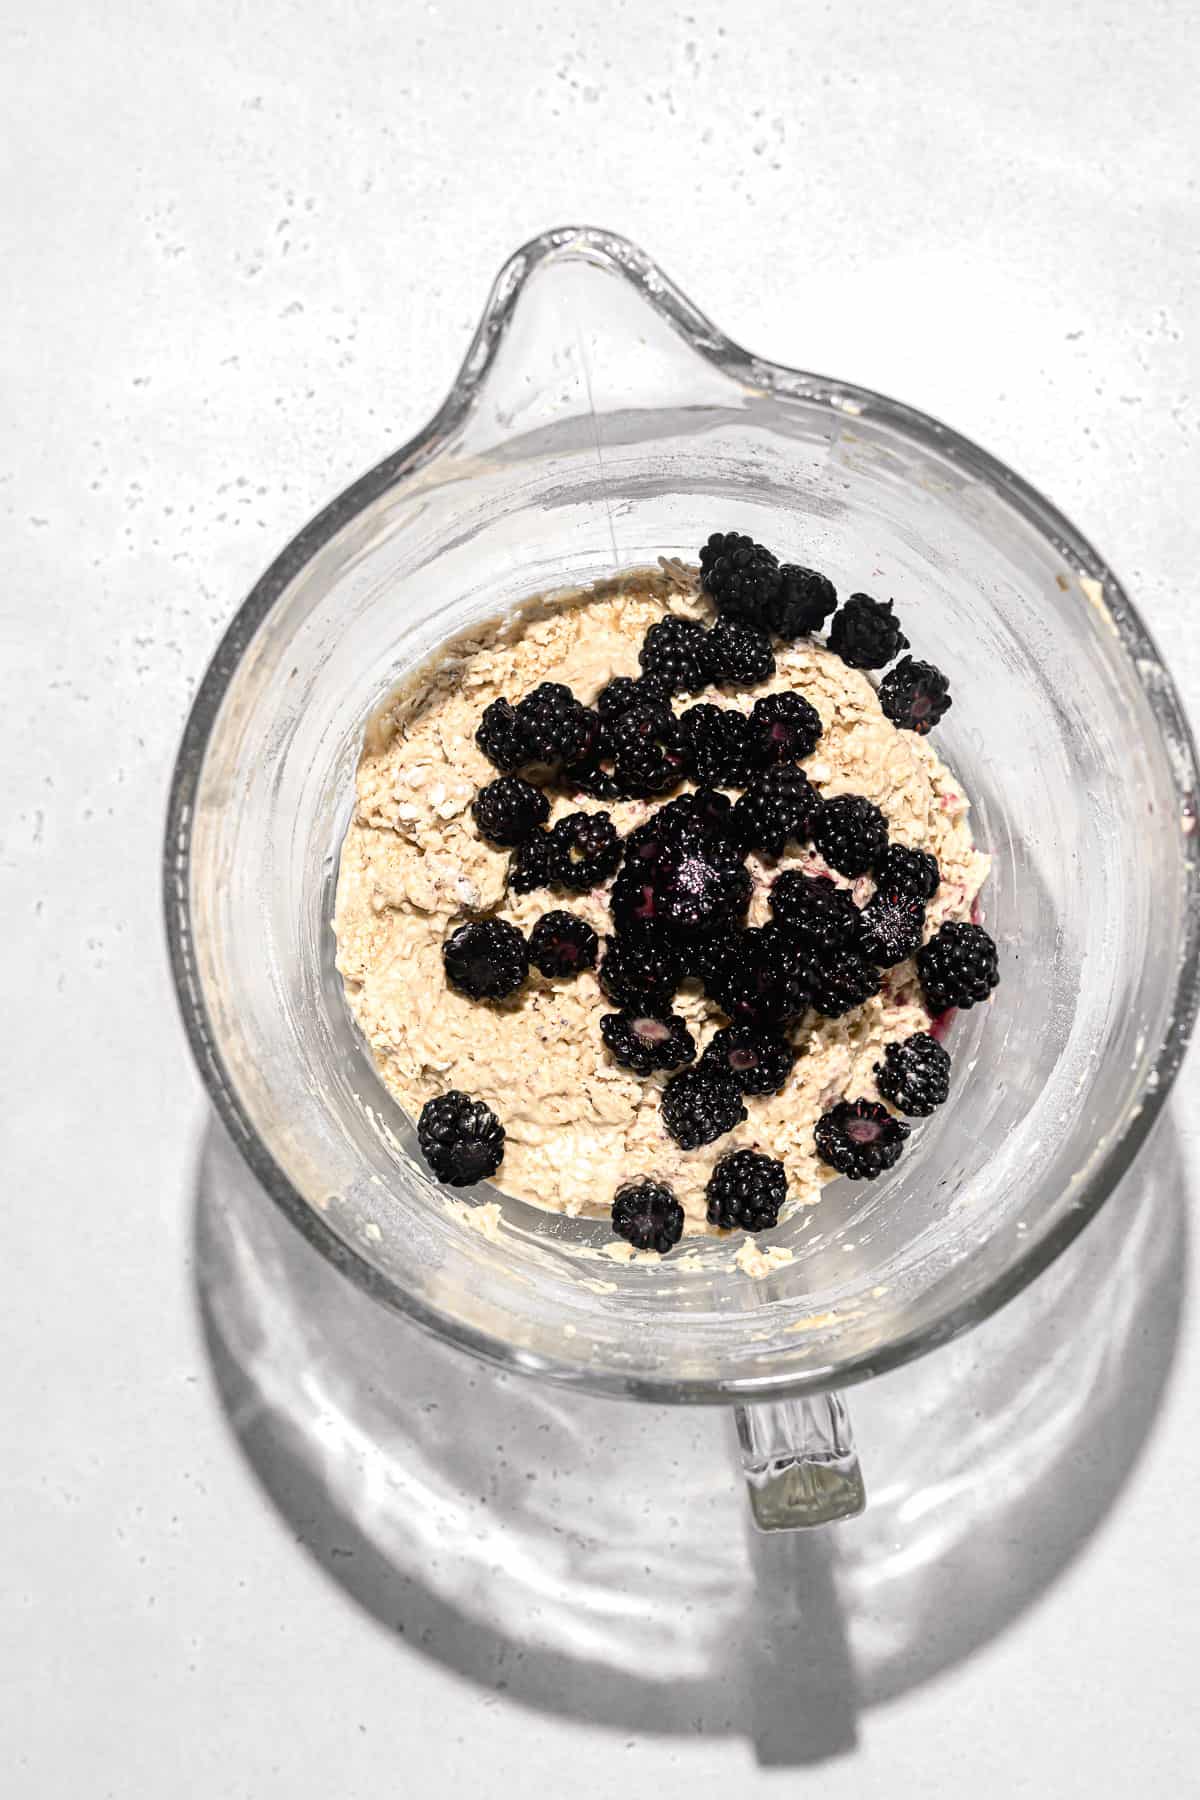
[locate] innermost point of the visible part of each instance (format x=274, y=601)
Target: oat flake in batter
x=414, y=866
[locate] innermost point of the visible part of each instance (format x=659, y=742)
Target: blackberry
x=508, y=810
x=648, y=1216
x=778, y=806
x=915, y=696
x=759, y=1061
x=762, y=980
x=584, y=850
x=741, y=576
x=529, y=864
x=641, y=970
x=905, y=871
x=783, y=728
x=677, y=651
x=839, y=981
x=958, y=967
x=461, y=1139
x=716, y=743
x=745, y=1192
x=915, y=1075
x=865, y=633
x=486, y=959
x=739, y=651
x=626, y=691
x=500, y=737
x=709, y=957
x=893, y=926
x=802, y=602
x=695, y=884
x=699, y=1105
x=592, y=778
x=860, y=1138
x=815, y=909
x=562, y=944
x=851, y=834
x=556, y=726
x=645, y=1042
x=647, y=752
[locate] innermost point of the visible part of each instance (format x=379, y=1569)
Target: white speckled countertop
x=244, y=249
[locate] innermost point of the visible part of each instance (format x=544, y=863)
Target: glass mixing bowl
x=600, y=421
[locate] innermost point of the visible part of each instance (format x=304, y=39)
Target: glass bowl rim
x=607, y=250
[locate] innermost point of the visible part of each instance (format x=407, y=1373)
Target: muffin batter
x=414, y=866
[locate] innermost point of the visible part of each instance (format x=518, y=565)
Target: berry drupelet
x=584, y=850
x=860, y=1138
x=641, y=970
x=865, y=633
x=645, y=1042
x=915, y=696
x=759, y=1061
x=529, y=864
x=905, y=871
x=461, y=1139
x=839, y=981
x=893, y=925
x=556, y=726
x=500, y=737
x=561, y=944
x=648, y=1216
x=486, y=960
x=739, y=651
x=700, y=1105
x=716, y=745
x=779, y=806
x=816, y=909
x=745, y=1192
x=915, y=1075
x=678, y=652
x=741, y=576
x=958, y=967
x=783, y=728
x=509, y=810
x=801, y=603
x=646, y=750
x=851, y=834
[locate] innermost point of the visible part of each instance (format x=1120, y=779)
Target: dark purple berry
x=915, y=696
x=716, y=743
x=776, y=809
x=915, y=1075
x=783, y=728
x=500, y=737
x=509, y=810
x=958, y=967
x=802, y=603
x=851, y=834
x=486, y=959
x=759, y=1061
x=645, y=1042
x=461, y=1139
x=561, y=944
x=584, y=851
x=648, y=1216
x=647, y=752
x=741, y=576
x=865, y=633
x=859, y=1138
x=739, y=652
x=700, y=1105
x=893, y=926
x=677, y=651
x=745, y=1192
x=641, y=971
x=905, y=871
x=815, y=909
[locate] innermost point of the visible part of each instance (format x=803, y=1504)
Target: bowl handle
x=800, y=1463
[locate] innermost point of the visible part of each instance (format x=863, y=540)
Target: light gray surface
x=243, y=251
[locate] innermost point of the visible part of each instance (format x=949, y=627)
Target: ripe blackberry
x=745, y=1192
x=716, y=741
x=584, y=850
x=851, y=834
x=759, y=1061
x=641, y=970
x=783, y=728
x=508, y=810
x=486, y=959
x=762, y=980
x=627, y=691
x=815, y=909
x=699, y=1105
x=860, y=1138
x=893, y=926
x=915, y=1075
x=694, y=884
x=839, y=981
x=958, y=967
x=905, y=871
x=529, y=864
x=647, y=752
x=461, y=1139
x=778, y=806
x=648, y=1216
x=739, y=651
x=709, y=957
x=557, y=727
x=802, y=603
x=677, y=651
x=741, y=576
x=562, y=944
x=645, y=1042
x=865, y=633
x=500, y=737
x=915, y=696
